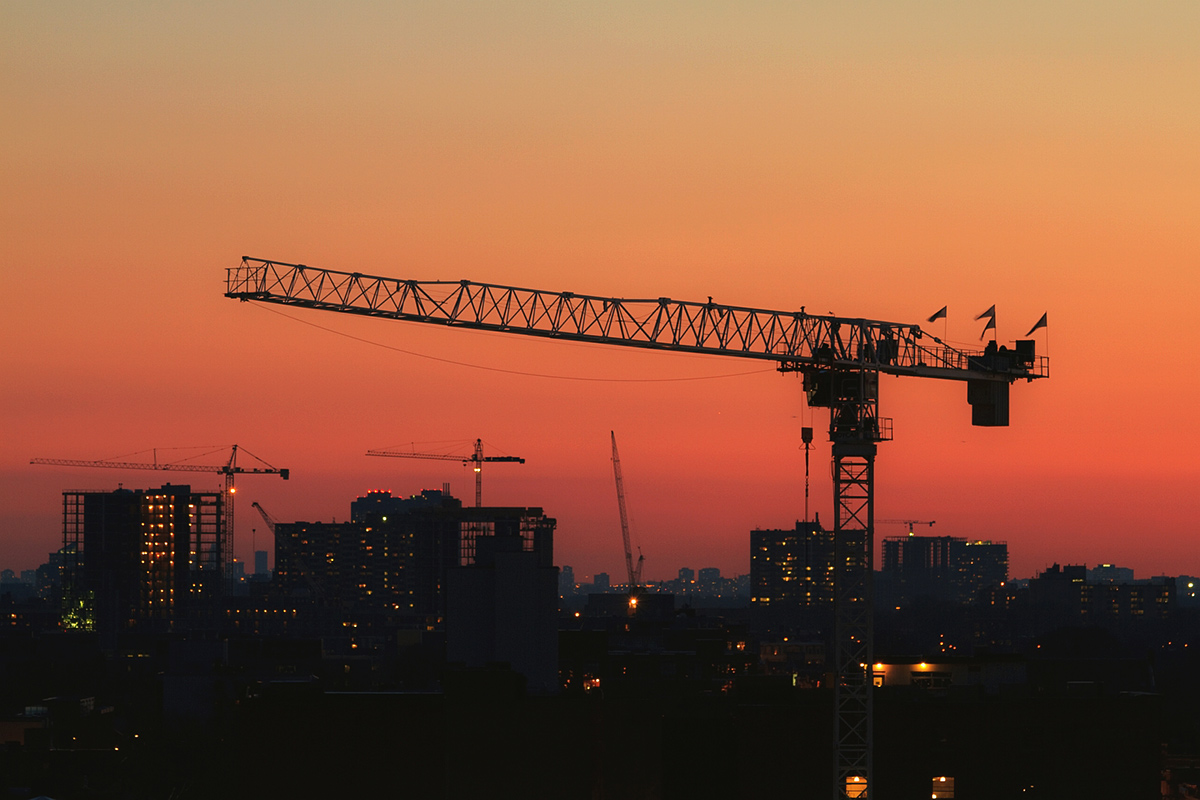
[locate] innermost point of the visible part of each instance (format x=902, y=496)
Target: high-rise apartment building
x=792, y=568
x=394, y=554
x=943, y=568
x=133, y=560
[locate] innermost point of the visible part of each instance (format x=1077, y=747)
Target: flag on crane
x=1041, y=323
x=938, y=314
x=991, y=321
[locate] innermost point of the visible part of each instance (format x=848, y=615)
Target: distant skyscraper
x=686, y=575
x=260, y=562
x=600, y=582
x=791, y=569
x=566, y=581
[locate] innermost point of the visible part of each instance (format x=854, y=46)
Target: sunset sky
x=875, y=161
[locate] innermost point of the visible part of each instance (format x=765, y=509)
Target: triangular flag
x=1041, y=323
x=991, y=325
x=991, y=312
x=939, y=314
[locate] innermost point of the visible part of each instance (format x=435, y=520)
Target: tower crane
x=634, y=573
x=839, y=358
x=228, y=469
x=477, y=458
x=909, y=522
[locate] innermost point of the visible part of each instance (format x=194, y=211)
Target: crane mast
x=840, y=359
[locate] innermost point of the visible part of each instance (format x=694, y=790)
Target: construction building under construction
x=135, y=560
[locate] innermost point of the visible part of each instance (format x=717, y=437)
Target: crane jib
x=796, y=341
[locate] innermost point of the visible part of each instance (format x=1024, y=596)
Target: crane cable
x=509, y=371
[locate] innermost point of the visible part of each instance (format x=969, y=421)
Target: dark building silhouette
x=566, y=581
x=376, y=506
x=792, y=569
x=135, y=560
x=944, y=568
x=1109, y=573
x=392, y=556
x=502, y=600
x=982, y=565
x=708, y=579
x=1063, y=596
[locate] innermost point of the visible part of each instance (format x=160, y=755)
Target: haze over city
x=878, y=163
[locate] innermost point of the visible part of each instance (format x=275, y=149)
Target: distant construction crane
x=634, y=573
x=267, y=518
x=228, y=469
x=840, y=359
x=909, y=522
x=477, y=458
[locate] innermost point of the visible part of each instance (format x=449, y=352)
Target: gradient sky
x=874, y=161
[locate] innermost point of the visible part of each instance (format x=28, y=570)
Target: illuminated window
x=856, y=786
x=943, y=787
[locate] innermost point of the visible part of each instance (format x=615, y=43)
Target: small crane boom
x=909, y=522
x=477, y=458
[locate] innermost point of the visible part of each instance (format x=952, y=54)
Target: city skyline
x=586, y=574
x=881, y=166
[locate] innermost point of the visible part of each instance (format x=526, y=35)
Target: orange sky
x=874, y=162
